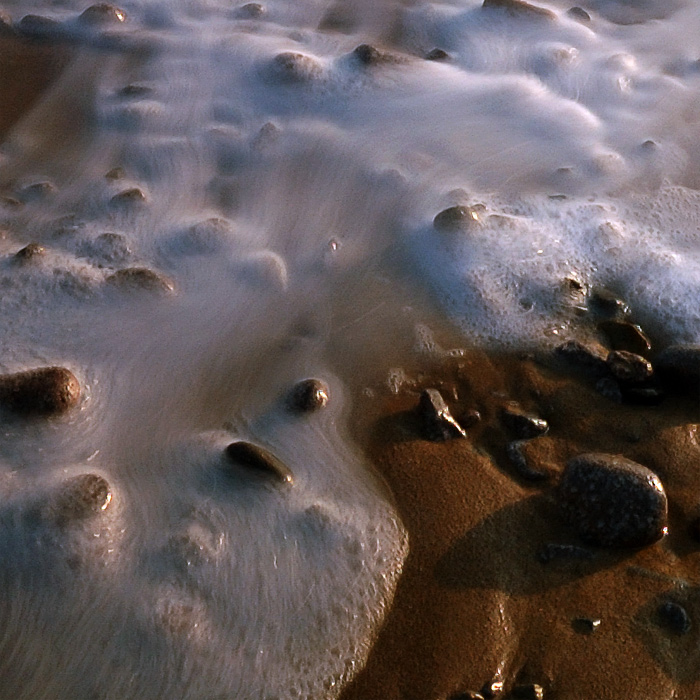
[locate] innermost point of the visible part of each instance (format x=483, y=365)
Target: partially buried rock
x=102, y=14
x=521, y=423
x=674, y=618
x=39, y=27
x=437, y=55
x=368, y=55
x=132, y=196
x=438, y=421
x=29, y=253
x=519, y=8
x=519, y=460
x=457, y=218
x=579, y=14
x=137, y=278
x=585, y=625
x=607, y=303
x=40, y=392
x=589, y=356
x=626, y=336
x=258, y=460
x=80, y=498
x=309, y=395
x=629, y=367
x=293, y=67
x=612, y=501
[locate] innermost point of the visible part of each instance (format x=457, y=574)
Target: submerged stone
x=259, y=460
x=30, y=252
x=612, y=501
x=293, y=67
x=674, y=618
x=79, y=498
x=607, y=303
x=39, y=27
x=457, y=218
x=102, y=14
x=519, y=8
x=578, y=13
x=309, y=395
x=140, y=278
x=439, y=422
x=437, y=55
x=368, y=55
x=133, y=195
x=40, y=392
x=250, y=10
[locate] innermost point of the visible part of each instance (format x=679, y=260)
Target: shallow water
x=281, y=188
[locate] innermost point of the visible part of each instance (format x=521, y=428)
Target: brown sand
x=474, y=602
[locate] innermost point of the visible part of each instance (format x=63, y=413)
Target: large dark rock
x=612, y=501
x=258, y=460
x=626, y=336
x=39, y=392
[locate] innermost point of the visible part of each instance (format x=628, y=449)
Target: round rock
x=457, y=218
x=81, y=497
x=612, y=501
x=40, y=392
x=309, y=395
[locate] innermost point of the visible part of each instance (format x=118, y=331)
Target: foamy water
x=281, y=188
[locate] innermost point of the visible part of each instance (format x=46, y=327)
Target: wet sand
x=475, y=603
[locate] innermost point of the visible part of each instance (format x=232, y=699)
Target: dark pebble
x=553, y=551
x=251, y=10
x=39, y=27
x=102, y=14
x=457, y=218
x=610, y=389
x=519, y=8
x=626, y=336
x=629, y=367
x=520, y=462
x=133, y=195
x=578, y=13
x=607, y=303
x=309, y=395
x=683, y=361
x=40, y=392
x=258, y=459
x=437, y=55
x=674, y=618
x=140, y=278
x=368, y=55
x=585, y=625
x=528, y=691
x=292, y=67
x=589, y=356
x=30, y=252
x=612, y=501
x=80, y=497
x=522, y=424
x=438, y=421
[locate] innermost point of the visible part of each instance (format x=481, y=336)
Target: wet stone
x=522, y=466
x=528, y=691
x=133, y=195
x=39, y=27
x=554, y=551
x=258, y=460
x=368, y=55
x=585, y=625
x=610, y=389
x=579, y=14
x=457, y=218
x=79, y=498
x=674, y=618
x=519, y=8
x=115, y=174
x=29, y=253
x=437, y=419
x=140, y=278
x=36, y=191
x=102, y=14
x=309, y=395
x=108, y=248
x=626, y=336
x=251, y=10
x=492, y=689
x=629, y=367
x=589, y=356
x=437, y=55
x=522, y=424
x=295, y=67
x=680, y=360
x=607, y=303
x=612, y=501
x=40, y=392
